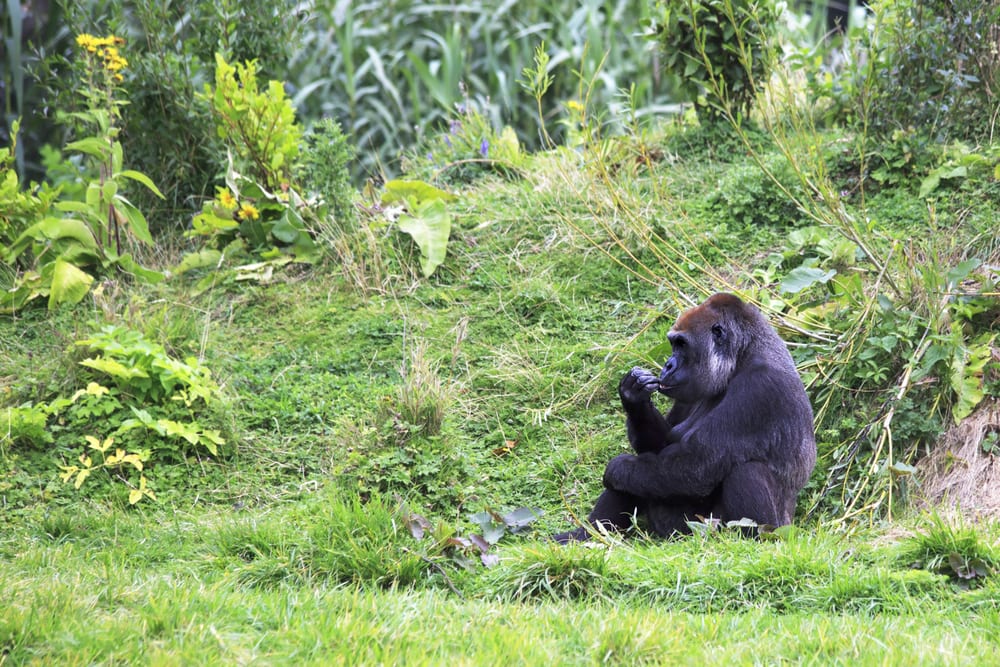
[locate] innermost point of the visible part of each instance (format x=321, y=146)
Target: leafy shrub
x=323, y=170
x=170, y=132
x=139, y=406
x=19, y=207
x=718, y=49
x=259, y=207
x=748, y=195
x=257, y=125
x=932, y=66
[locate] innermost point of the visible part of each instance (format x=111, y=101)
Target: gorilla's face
x=702, y=359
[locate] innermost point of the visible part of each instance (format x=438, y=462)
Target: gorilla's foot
x=580, y=534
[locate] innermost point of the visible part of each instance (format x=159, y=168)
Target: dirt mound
x=959, y=474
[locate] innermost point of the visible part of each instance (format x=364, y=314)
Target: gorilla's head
x=709, y=344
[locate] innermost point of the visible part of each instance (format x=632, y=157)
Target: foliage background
x=351, y=420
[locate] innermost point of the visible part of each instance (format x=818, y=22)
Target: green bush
x=323, y=169
x=932, y=65
x=718, y=50
x=136, y=406
x=748, y=195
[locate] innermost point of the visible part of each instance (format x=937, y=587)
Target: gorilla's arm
x=648, y=430
x=742, y=427
x=685, y=470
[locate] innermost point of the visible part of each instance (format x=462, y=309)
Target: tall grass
x=391, y=71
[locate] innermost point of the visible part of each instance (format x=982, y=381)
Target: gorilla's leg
x=670, y=518
x=752, y=492
x=613, y=511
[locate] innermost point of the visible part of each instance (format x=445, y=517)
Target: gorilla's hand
x=617, y=472
x=637, y=386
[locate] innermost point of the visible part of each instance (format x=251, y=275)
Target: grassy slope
x=260, y=559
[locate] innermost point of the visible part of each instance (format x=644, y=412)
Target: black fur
x=738, y=441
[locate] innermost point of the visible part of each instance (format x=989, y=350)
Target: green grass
x=320, y=580
x=490, y=385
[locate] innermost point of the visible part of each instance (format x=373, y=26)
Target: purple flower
x=484, y=148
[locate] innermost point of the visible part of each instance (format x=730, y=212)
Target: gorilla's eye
x=717, y=331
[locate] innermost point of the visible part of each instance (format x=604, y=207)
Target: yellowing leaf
x=95, y=389
x=134, y=460
x=80, y=477
x=98, y=445
x=69, y=284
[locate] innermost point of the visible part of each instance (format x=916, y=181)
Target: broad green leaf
x=129, y=265
x=109, y=190
x=141, y=178
x=430, y=227
x=114, y=368
x=202, y=259
x=286, y=231
x=802, y=277
x=208, y=223
x=69, y=284
x=99, y=148
x=73, y=207
x=136, y=220
x=961, y=271
x=60, y=228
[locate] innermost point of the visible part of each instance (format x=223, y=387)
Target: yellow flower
x=248, y=211
x=86, y=41
x=226, y=199
x=107, y=49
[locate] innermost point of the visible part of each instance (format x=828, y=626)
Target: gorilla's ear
x=718, y=333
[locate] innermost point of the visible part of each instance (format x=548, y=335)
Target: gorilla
x=737, y=443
